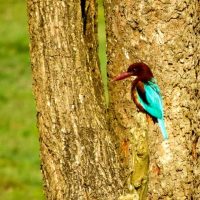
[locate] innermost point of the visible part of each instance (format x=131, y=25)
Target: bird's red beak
x=122, y=76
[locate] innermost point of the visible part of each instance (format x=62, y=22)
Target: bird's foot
x=149, y=119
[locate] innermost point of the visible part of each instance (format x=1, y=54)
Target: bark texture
x=165, y=35
x=78, y=155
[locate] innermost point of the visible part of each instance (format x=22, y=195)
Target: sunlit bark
x=88, y=152
x=78, y=155
x=163, y=34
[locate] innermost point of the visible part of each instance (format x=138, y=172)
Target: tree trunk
x=163, y=34
x=87, y=154
x=78, y=155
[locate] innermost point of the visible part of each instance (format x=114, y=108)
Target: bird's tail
x=161, y=124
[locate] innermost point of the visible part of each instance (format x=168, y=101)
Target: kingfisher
x=146, y=93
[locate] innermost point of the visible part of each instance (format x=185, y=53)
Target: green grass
x=20, y=176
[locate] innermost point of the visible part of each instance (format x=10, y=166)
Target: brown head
x=141, y=70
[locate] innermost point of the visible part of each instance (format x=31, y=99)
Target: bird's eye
x=134, y=69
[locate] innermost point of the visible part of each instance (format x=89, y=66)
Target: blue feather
x=153, y=104
x=161, y=123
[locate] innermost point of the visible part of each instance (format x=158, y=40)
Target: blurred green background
x=102, y=48
x=20, y=177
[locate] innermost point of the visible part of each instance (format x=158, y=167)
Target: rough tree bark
x=87, y=154
x=165, y=35
x=78, y=155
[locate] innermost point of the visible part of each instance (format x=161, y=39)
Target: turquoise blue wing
x=152, y=103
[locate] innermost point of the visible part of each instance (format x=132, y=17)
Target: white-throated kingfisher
x=146, y=93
